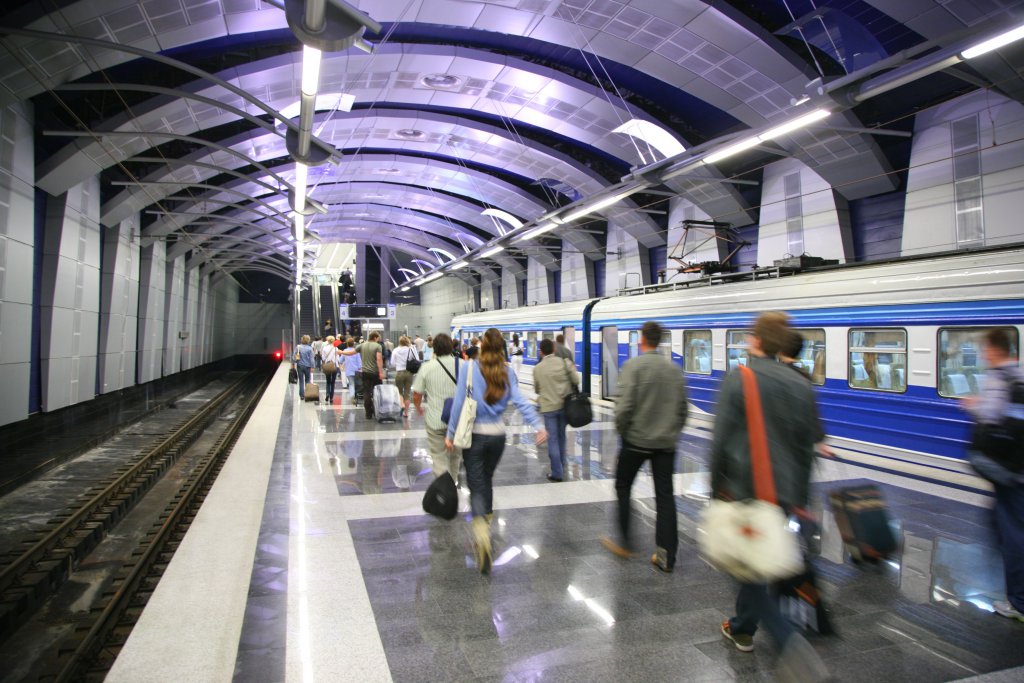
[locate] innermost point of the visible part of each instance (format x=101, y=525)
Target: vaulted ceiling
x=184, y=106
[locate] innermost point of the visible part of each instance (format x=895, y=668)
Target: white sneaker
x=1005, y=609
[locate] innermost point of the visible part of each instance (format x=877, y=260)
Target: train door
x=609, y=361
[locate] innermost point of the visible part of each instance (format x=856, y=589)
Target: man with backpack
x=998, y=455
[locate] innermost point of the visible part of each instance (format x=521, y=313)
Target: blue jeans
x=556, y=423
x=330, y=380
x=480, y=460
x=755, y=604
x=303, y=372
x=1008, y=515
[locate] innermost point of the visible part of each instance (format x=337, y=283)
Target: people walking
x=403, y=376
x=303, y=363
x=790, y=423
x=561, y=350
x=988, y=409
x=372, y=354
x=650, y=413
x=436, y=381
x=515, y=353
x=554, y=378
x=330, y=361
x=493, y=387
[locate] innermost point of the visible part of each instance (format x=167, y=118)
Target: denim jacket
x=487, y=413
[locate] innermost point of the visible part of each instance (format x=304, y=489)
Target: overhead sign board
x=367, y=311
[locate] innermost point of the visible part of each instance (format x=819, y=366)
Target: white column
x=17, y=246
x=510, y=292
x=152, y=299
x=539, y=284
x=174, y=311
x=119, y=306
x=626, y=264
x=577, y=274
x=809, y=219
x=70, y=297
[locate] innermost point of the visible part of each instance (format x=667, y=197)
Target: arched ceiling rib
x=501, y=115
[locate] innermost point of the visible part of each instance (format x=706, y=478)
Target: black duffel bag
x=442, y=498
x=577, y=409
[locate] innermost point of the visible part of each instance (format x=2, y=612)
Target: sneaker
x=1005, y=609
x=660, y=560
x=743, y=642
x=552, y=477
x=615, y=548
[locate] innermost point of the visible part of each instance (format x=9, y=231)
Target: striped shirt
x=434, y=383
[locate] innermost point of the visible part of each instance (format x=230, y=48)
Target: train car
x=532, y=324
x=892, y=347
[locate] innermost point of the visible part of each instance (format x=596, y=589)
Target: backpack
x=1003, y=441
x=412, y=363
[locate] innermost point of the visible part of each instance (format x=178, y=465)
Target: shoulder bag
x=446, y=408
x=412, y=362
x=464, y=429
x=750, y=539
x=578, y=412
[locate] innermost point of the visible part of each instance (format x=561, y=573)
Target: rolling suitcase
x=312, y=392
x=387, y=403
x=863, y=523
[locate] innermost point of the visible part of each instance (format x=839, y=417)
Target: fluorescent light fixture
x=540, y=230
x=492, y=251
x=430, y=278
x=731, y=150
x=654, y=135
x=459, y=265
x=596, y=206
x=300, y=227
x=406, y=288
x=795, y=124
x=770, y=134
x=999, y=41
x=301, y=182
x=310, y=70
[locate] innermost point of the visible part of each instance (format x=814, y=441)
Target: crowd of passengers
x=650, y=414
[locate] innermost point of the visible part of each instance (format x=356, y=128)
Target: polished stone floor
x=351, y=581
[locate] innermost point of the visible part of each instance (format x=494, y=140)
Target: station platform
x=311, y=560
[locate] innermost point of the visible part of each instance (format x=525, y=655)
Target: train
x=892, y=347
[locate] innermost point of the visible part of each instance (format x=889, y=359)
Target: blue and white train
x=892, y=346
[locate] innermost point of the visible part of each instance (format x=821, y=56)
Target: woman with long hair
x=493, y=385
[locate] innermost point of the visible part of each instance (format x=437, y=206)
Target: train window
x=960, y=360
x=531, y=344
x=736, y=346
x=878, y=359
x=812, y=356
x=697, y=351
x=634, y=344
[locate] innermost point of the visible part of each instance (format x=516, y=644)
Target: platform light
x=406, y=288
x=300, y=227
x=795, y=124
x=310, y=70
x=540, y=230
x=731, y=150
x=596, y=206
x=301, y=182
x=492, y=251
x=991, y=44
x=459, y=266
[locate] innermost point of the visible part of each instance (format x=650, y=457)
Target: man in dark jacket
x=790, y=422
x=650, y=412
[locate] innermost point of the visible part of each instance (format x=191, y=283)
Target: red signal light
x=277, y=355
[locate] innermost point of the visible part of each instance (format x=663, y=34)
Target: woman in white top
x=403, y=378
x=515, y=353
x=329, y=353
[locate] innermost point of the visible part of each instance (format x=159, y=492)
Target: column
x=152, y=300
x=119, y=305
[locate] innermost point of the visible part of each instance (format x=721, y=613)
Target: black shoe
x=554, y=478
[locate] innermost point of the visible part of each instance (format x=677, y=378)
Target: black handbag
x=446, y=407
x=578, y=412
x=442, y=498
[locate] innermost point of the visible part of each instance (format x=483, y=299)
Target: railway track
x=48, y=559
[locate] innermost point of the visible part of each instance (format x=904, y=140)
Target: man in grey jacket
x=650, y=412
x=554, y=378
x=791, y=427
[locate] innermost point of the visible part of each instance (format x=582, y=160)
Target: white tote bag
x=750, y=539
x=464, y=429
